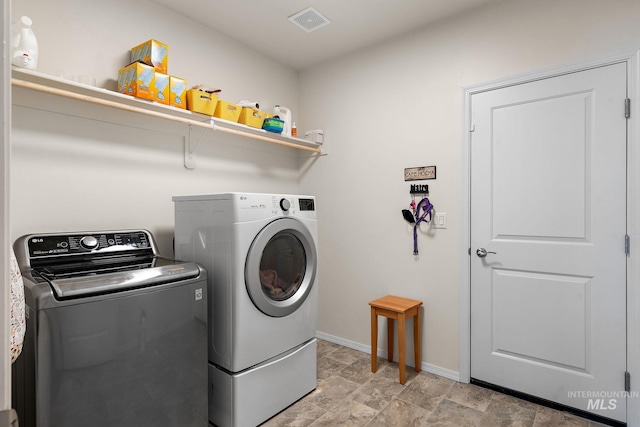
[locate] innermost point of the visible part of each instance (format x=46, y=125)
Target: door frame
x=632, y=59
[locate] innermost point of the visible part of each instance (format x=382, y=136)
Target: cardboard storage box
x=153, y=53
x=227, y=111
x=138, y=80
x=162, y=88
x=201, y=102
x=251, y=117
x=122, y=76
x=177, y=92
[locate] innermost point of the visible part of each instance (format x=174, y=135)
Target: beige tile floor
x=349, y=394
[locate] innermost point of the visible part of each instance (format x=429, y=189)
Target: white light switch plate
x=440, y=220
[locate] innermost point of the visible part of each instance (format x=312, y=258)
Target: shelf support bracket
x=190, y=146
x=323, y=152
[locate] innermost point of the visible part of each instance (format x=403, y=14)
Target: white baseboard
x=427, y=367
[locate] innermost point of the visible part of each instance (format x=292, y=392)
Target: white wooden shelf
x=32, y=80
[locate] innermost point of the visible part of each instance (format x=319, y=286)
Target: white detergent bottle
x=285, y=115
x=24, y=46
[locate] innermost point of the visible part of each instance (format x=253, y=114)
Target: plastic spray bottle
x=285, y=115
x=24, y=45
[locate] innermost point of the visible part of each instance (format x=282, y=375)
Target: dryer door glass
x=281, y=267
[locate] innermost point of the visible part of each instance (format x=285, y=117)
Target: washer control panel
x=72, y=244
x=89, y=242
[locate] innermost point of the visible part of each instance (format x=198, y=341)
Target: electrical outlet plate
x=439, y=220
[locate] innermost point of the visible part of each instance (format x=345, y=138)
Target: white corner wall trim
x=427, y=367
x=5, y=233
x=632, y=58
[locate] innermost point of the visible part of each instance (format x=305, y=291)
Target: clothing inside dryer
x=283, y=266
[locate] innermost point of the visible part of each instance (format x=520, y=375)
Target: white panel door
x=548, y=196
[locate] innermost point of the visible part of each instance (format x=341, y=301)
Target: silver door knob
x=482, y=252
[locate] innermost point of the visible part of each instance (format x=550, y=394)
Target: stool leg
x=402, y=347
x=416, y=340
x=390, y=339
x=374, y=340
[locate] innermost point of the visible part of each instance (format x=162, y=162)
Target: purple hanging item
x=427, y=210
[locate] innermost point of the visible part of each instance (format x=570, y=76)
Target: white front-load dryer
x=260, y=252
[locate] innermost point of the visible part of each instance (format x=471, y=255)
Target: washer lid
x=281, y=266
x=115, y=277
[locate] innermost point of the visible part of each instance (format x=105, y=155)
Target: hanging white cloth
x=18, y=326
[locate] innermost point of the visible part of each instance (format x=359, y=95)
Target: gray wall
x=81, y=167
x=395, y=105
x=400, y=104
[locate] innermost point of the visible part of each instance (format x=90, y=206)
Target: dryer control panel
x=292, y=204
x=307, y=204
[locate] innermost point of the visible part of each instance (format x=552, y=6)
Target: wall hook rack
x=419, y=189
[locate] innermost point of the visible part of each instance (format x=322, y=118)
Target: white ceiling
x=263, y=25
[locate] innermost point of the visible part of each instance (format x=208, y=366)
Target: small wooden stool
x=395, y=308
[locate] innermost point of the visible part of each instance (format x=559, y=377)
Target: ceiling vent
x=309, y=19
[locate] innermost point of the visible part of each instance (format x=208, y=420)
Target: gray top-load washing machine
x=116, y=334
